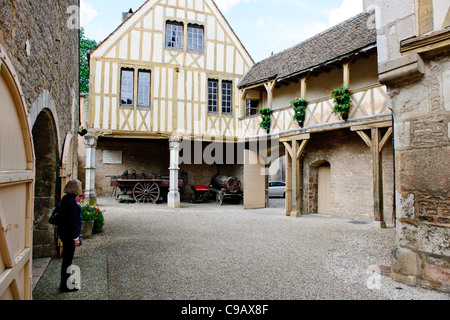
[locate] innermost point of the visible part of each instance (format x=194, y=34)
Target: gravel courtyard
x=205, y=251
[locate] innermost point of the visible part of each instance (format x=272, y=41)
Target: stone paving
x=208, y=252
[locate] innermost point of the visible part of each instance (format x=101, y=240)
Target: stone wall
x=351, y=175
x=422, y=157
x=42, y=48
x=418, y=83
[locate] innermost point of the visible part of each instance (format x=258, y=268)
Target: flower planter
x=86, y=229
x=265, y=119
x=300, y=119
x=344, y=116
x=342, y=99
x=299, y=106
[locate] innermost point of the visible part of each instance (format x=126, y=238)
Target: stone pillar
x=91, y=148
x=173, y=199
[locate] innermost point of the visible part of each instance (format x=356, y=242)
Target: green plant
x=342, y=101
x=86, y=47
x=265, y=116
x=90, y=213
x=299, y=106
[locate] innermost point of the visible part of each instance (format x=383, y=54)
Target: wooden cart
x=141, y=190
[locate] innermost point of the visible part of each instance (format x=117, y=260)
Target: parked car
x=277, y=189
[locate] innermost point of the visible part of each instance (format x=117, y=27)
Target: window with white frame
x=144, y=80
x=174, y=34
x=226, y=96
x=195, y=37
x=213, y=95
x=127, y=87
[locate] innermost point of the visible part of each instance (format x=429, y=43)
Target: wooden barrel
x=230, y=184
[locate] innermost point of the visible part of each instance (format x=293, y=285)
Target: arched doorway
x=47, y=183
x=16, y=187
x=320, y=187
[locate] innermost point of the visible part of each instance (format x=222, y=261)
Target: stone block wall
x=351, y=175
x=418, y=83
x=42, y=49
x=423, y=196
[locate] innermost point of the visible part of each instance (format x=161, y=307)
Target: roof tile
x=345, y=38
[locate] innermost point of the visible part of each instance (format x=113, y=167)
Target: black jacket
x=70, y=226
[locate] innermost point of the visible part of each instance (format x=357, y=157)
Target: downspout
x=394, y=163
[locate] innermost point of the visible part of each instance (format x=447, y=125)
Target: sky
x=263, y=26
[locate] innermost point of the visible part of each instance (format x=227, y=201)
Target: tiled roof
x=351, y=36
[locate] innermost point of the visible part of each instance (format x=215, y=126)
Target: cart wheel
x=219, y=198
x=146, y=192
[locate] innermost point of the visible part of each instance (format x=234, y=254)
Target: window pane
x=127, y=87
x=226, y=97
x=144, y=88
x=212, y=95
x=195, y=38
x=174, y=35
x=252, y=107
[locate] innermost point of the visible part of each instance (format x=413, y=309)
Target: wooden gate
x=16, y=187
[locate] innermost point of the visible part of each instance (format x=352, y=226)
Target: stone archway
x=47, y=184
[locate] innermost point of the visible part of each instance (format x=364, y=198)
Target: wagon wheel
x=219, y=198
x=146, y=192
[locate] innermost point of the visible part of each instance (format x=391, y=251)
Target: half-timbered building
x=175, y=69
x=333, y=166
x=171, y=69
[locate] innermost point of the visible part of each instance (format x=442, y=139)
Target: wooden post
x=346, y=67
x=288, y=200
x=243, y=100
x=377, y=178
x=303, y=88
x=270, y=87
x=376, y=145
x=294, y=170
x=295, y=180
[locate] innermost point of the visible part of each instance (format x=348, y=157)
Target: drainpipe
x=394, y=162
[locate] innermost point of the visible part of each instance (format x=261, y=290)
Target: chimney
x=126, y=15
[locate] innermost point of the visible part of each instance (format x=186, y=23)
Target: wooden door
x=16, y=188
x=254, y=181
x=324, y=190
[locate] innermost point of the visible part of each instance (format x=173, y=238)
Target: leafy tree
x=86, y=47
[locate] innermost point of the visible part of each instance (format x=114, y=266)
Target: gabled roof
x=349, y=37
x=150, y=3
